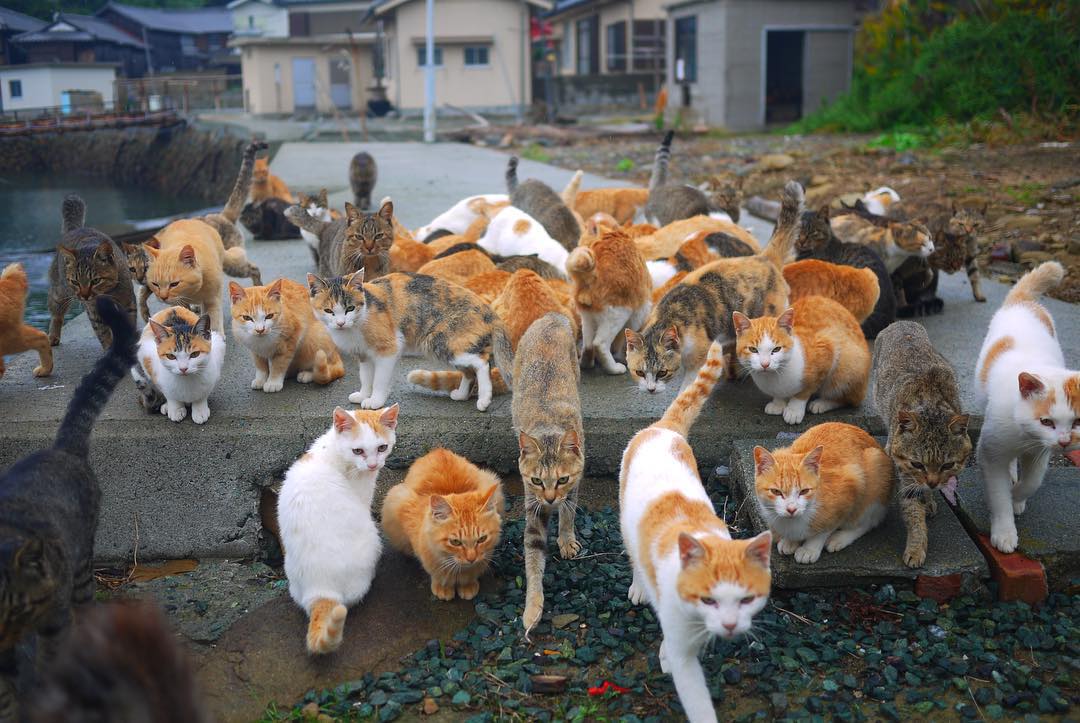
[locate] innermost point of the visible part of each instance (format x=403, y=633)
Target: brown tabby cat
x=362, y=174
x=547, y=207
x=15, y=336
x=225, y=222
x=358, y=241
x=138, y=262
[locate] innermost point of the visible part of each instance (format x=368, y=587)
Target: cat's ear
x=159, y=331
x=527, y=443
x=187, y=255
x=488, y=502
x=355, y=280
x=905, y=420
x=571, y=441
x=386, y=212
x=352, y=213
x=740, y=321
x=316, y=284
x=153, y=242
x=274, y=292
x=824, y=211
x=690, y=550
x=151, y=250
x=811, y=461
x=202, y=326
x=66, y=252
x=759, y=548
x=388, y=417
x=763, y=460
x=104, y=251
x=1030, y=385
x=129, y=249
x=787, y=320
x=236, y=291
x=634, y=342
x=440, y=508
x=959, y=424
x=670, y=339
x=343, y=421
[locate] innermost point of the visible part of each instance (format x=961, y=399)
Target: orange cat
x=15, y=336
x=854, y=289
x=448, y=514
x=815, y=347
x=489, y=284
x=408, y=254
x=280, y=330
x=459, y=267
x=623, y=204
x=666, y=241
x=828, y=489
x=266, y=185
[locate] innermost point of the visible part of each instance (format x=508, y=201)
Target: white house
x=46, y=85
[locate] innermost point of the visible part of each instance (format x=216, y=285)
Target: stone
x=310, y=711
x=818, y=180
x=775, y=161
x=1073, y=246
x=561, y=621
x=461, y=699
x=430, y=706
x=1018, y=222
x=1034, y=258
x=940, y=588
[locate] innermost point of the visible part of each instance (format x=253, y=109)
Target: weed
x=535, y=152
x=1026, y=193
x=625, y=165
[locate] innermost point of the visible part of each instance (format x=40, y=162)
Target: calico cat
x=664, y=242
x=462, y=214
x=181, y=358
x=669, y=202
x=854, y=289
x=447, y=513
x=814, y=348
x=225, y=222
x=881, y=201
x=332, y=546
x=279, y=328
x=622, y=204
x=48, y=517
x=611, y=291
x=362, y=174
x=701, y=583
x=1032, y=401
x=551, y=211
x=15, y=336
x=546, y=411
x=512, y=232
x=691, y=255
x=88, y=264
x=458, y=267
x=376, y=321
x=894, y=241
x=318, y=207
x=357, y=241
x=697, y=311
x=828, y=489
x=918, y=400
x=816, y=240
x=138, y=262
x=266, y=185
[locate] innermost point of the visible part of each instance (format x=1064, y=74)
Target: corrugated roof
x=12, y=20
x=194, y=20
x=87, y=28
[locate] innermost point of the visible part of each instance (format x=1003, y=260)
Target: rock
x=775, y=161
x=818, y=180
x=1018, y=222
x=461, y=699
x=1001, y=251
x=310, y=711
x=1033, y=258
x=430, y=706
x=779, y=702
x=391, y=711
x=1074, y=246
x=561, y=621
x=548, y=683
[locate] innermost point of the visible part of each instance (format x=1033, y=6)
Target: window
x=187, y=45
x=686, y=48
x=588, y=46
x=476, y=55
x=251, y=22
x=421, y=56
x=566, y=48
x=616, y=47
x=649, y=45
x=15, y=88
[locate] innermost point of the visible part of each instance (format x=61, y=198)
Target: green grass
x=1026, y=193
x=535, y=152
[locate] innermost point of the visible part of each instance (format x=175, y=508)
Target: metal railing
x=81, y=118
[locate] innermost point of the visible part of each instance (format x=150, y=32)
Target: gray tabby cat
x=546, y=414
x=48, y=516
x=358, y=241
x=916, y=396
x=670, y=202
x=538, y=200
x=362, y=173
x=88, y=264
x=225, y=222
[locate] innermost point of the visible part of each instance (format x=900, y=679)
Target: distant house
x=11, y=24
x=67, y=85
x=72, y=38
x=743, y=64
x=179, y=39
x=259, y=19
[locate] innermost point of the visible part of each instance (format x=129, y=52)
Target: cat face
x=261, y=172
x=787, y=483
x=183, y=348
x=138, y=261
x=338, y=303
x=365, y=437
x=929, y=448
x=814, y=230
x=914, y=238
x=654, y=358
x=764, y=345
x=727, y=197
x=317, y=205
x=1049, y=409
x=722, y=582
x=29, y=577
x=173, y=273
x=550, y=465
x=90, y=271
x=368, y=233
x=965, y=221
x=465, y=527
x=257, y=311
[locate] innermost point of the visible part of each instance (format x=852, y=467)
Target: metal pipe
x=429, y=75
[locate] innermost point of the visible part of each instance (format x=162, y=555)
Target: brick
x=1017, y=575
x=940, y=588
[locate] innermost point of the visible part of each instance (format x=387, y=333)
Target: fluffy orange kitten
x=448, y=514
x=828, y=489
x=459, y=267
x=266, y=185
x=15, y=336
x=621, y=203
x=815, y=347
x=855, y=289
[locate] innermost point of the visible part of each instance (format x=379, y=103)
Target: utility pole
x=429, y=76
x=525, y=47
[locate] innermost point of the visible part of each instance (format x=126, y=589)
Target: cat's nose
x=765, y=363
x=183, y=370
x=730, y=627
x=1065, y=441
x=341, y=324
x=792, y=509
x=260, y=329
x=470, y=555
x=373, y=465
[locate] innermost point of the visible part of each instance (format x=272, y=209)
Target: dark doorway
x=784, y=75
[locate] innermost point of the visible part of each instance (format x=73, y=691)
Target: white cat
x=461, y=215
x=1032, y=401
x=332, y=545
x=513, y=232
x=180, y=357
x=880, y=200
x=318, y=208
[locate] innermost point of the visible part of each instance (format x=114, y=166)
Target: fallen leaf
x=144, y=573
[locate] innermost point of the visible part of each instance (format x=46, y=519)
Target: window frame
x=615, y=62
x=13, y=84
x=477, y=48
x=421, y=56
x=587, y=63
x=686, y=51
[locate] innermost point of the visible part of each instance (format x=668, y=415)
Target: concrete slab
x=874, y=558
x=1048, y=526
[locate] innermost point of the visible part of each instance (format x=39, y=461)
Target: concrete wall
x=42, y=87
x=268, y=21
x=707, y=95
x=827, y=72
x=263, y=93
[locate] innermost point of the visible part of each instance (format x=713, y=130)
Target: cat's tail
x=1044, y=277
x=511, y=175
x=16, y=274
x=660, y=163
x=684, y=411
x=300, y=218
x=570, y=193
x=781, y=246
x=242, y=187
x=97, y=386
x=503, y=352
x=327, y=369
x=72, y=213
x=448, y=381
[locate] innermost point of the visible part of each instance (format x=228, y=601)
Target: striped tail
x=242, y=187
x=503, y=352
x=570, y=193
x=660, y=163
x=684, y=411
x=511, y=175
x=1044, y=277
x=326, y=370
x=72, y=213
x=448, y=381
x=781, y=246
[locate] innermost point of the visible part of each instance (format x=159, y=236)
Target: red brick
x=1074, y=457
x=1017, y=575
x=941, y=588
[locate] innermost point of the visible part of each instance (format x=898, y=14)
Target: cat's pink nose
x=765, y=363
x=730, y=627
x=792, y=509
x=1064, y=441
x=183, y=370
x=341, y=324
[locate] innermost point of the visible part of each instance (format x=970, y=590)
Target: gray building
x=746, y=64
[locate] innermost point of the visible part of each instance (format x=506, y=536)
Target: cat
x=669, y=202
x=854, y=289
x=697, y=311
x=332, y=546
x=458, y=267
x=533, y=263
x=358, y=241
x=266, y=220
x=825, y=491
x=611, y=290
x=377, y=321
x=138, y=262
x=814, y=348
x=1032, y=401
x=956, y=245
x=362, y=174
x=700, y=582
x=665, y=242
x=512, y=232
x=279, y=328
x=894, y=241
x=541, y=203
x=462, y=214
x=881, y=201
x=88, y=264
x=266, y=185
x=15, y=336
x=546, y=412
x=181, y=358
x=318, y=207
x=816, y=240
x=447, y=513
x=489, y=284
x=623, y=204
x=918, y=400
x=225, y=221
x=49, y=503
x=693, y=254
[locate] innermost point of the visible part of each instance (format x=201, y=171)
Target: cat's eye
x=661, y=376
x=776, y=492
x=329, y=311
x=561, y=481
x=195, y=354
x=154, y=284
x=481, y=539
x=170, y=356
x=455, y=543
x=245, y=317
x=382, y=447
x=537, y=481
x=776, y=350
x=752, y=349
x=804, y=491
x=349, y=308
x=708, y=601
x=947, y=465
x=1046, y=422
x=640, y=373
x=131, y=269
x=174, y=284
x=269, y=316
x=358, y=452
x=918, y=465
x=747, y=600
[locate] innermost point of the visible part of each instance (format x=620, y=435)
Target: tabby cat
x=225, y=222
x=15, y=336
x=88, y=264
x=358, y=241
x=541, y=203
x=138, y=262
x=318, y=207
x=362, y=174
x=48, y=517
x=918, y=400
x=266, y=220
x=894, y=241
x=955, y=247
x=670, y=202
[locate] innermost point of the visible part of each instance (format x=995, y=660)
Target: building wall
x=327, y=23
x=565, y=30
x=708, y=93
x=267, y=21
x=828, y=72
x=264, y=94
x=41, y=87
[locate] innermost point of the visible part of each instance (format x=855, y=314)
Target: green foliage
x=899, y=141
x=624, y=165
x=44, y=9
x=535, y=152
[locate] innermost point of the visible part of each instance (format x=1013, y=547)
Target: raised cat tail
x=97, y=386
x=781, y=244
x=300, y=218
x=72, y=213
x=569, y=194
x=503, y=353
x=660, y=163
x=242, y=187
x=511, y=174
x=15, y=273
x=1035, y=283
x=684, y=411
x=325, y=370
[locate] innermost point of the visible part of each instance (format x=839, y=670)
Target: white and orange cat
x=447, y=513
x=1032, y=401
x=828, y=489
x=701, y=583
x=332, y=545
x=815, y=347
x=278, y=327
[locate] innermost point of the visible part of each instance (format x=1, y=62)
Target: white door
x=303, y=77
x=340, y=88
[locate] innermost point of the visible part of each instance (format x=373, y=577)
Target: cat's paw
x=459, y=396
x=839, y=540
x=793, y=415
x=305, y=377
x=468, y=590
x=358, y=397
x=615, y=368
x=806, y=555
x=483, y=404
x=443, y=592
x=636, y=594
x=373, y=402
x=273, y=385
x=820, y=406
x=785, y=546
x=257, y=382
x=915, y=555
x=534, y=610
x=569, y=548
x=1004, y=538
x=176, y=413
x=775, y=407
x=200, y=413
x=41, y=371
x=588, y=359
